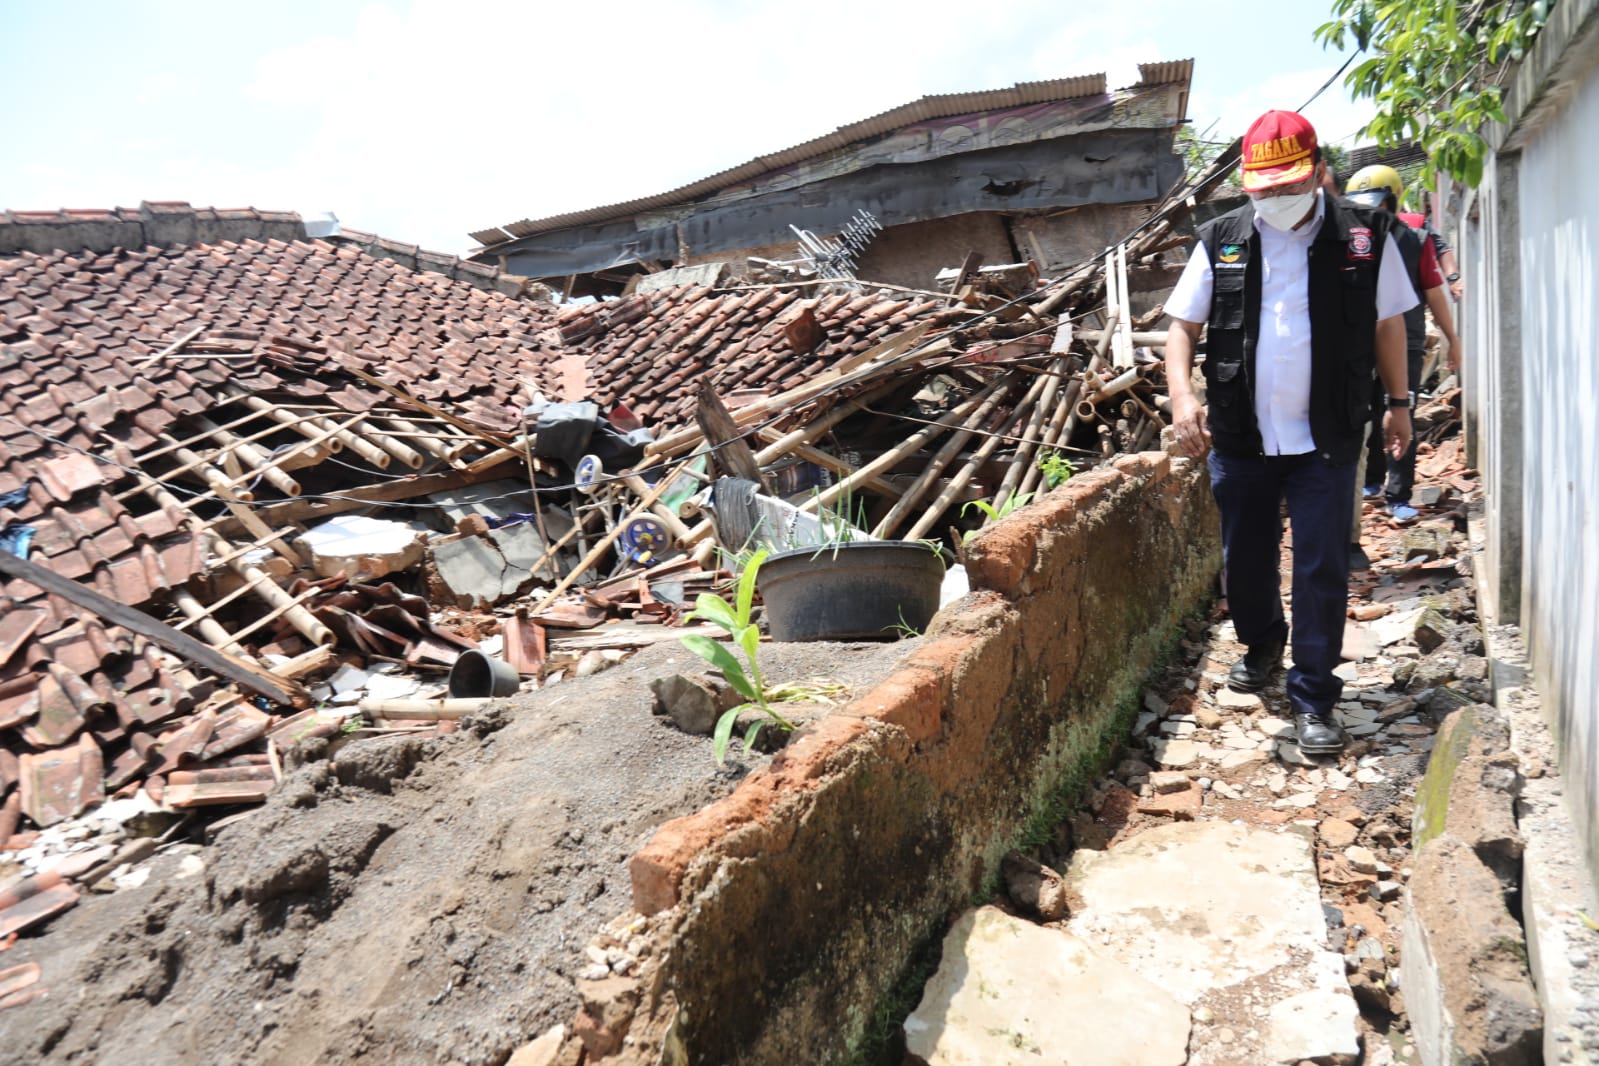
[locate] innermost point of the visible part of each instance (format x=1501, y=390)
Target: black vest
x=1344, y=260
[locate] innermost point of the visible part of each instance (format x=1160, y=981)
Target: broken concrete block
x=362, y=548
x=483, y=571
x=1424, y=545
x=1168, y=781
x=1009, y=993
x=1467, y=989
x=693, y=701
x=1238, y=701
x=1469, y=792
x=1432, y=629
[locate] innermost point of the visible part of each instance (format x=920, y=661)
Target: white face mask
x=1284, y=212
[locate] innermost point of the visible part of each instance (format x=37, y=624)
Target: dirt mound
x=408, y=901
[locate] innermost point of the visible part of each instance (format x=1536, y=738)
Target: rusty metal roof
x=928, y=107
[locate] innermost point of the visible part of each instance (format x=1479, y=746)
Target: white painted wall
x=1558, y=231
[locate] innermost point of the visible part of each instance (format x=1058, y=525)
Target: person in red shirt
x=1380, y=186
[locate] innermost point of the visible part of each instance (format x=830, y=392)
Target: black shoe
x=1251, y=673
x=1358, y=560
x=1318, y=734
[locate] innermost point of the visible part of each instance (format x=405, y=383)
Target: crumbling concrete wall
x=794, y=908
x=1467, y=986
x=1529, y=253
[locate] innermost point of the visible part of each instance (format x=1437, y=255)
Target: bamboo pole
x=428, y=442
x=298, y=423
x=250, y=454
x=276, y=612
x=175, y=346
x=398, y=449
x=886, y=356
x=843, y=469
x=1054, y=434
x=209, y=629
x=1124, y=311
x=958, y=483
x=301, y=619
x=220, y=483
x=990, y=398
x=423, y=709
x=892, y=456
x=1022, y=461
x=353, y=441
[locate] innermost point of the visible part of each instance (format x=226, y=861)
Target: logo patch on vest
x=1359, y=242
x=1230, y=253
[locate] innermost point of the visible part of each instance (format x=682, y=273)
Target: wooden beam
x=729, y=449
x=182, y=645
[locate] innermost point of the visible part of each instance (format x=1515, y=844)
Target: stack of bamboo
x=1068, y=370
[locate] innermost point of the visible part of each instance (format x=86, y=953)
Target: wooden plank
x=184, y=646
x=730, y=450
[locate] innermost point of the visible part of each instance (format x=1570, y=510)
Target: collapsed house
x=1047, y=173
x=258, y=486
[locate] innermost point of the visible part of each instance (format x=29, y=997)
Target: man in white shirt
x=1303, y=297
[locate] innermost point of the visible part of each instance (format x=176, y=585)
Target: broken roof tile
x=60, y=784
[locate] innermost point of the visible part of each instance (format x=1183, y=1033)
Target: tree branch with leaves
x=1436, y=72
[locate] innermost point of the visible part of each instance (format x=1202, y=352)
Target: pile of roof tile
x=183, y=393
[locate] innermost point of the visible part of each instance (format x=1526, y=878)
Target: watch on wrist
x=1453, y=277
x=1399, y=401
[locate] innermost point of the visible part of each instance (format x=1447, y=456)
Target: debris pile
x=259, y=491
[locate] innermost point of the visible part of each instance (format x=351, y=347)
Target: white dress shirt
x=1282, y=351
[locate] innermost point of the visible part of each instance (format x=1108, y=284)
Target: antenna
x=835, y=258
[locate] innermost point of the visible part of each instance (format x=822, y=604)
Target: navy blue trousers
x=1249, y=491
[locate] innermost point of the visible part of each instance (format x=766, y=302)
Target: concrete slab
x=1010, y=992
x=1228, y=917
x=362, y=548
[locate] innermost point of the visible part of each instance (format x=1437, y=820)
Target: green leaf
x=713, y=608
x=716, y=653
x=746, y=587
x=723, y=733
x=749, y=638
x=752, y=733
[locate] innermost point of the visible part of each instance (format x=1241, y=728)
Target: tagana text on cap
x=1279, y=149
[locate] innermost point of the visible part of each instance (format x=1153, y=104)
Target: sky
x=424, y=120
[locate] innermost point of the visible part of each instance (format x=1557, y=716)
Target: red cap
x=1278, y=150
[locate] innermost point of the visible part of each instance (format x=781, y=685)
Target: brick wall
x=797, y=904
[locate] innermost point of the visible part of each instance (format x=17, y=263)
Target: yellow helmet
x=1377, y=183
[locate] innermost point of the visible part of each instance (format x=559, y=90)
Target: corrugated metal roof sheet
x=928, y=107
x=1174, y=70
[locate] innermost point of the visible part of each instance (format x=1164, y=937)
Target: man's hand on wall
x=1188, y=419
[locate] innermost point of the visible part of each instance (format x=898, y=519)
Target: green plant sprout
x=1056, y=468
x=735, y=618
x=995, y=511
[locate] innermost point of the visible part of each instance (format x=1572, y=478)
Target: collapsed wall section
x=794, y=907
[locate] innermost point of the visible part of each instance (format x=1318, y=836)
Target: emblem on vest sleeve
x=1360, y=243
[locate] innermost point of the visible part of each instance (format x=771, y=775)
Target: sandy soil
x=407, y=901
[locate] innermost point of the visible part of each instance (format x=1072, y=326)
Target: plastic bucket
x=479, y=676
x=859, y=590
